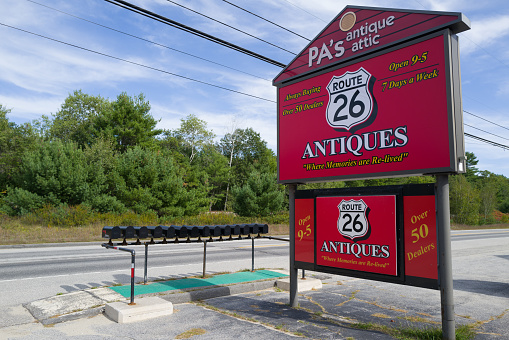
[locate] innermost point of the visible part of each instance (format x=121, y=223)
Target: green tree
x=14, y=141
x=211, y=172
x=193, y=136
x=464, y=200
x=471, y=162
x=259, y=196
x=145, y=180
x=54, y=173
x=128, y=123
x=77, y=118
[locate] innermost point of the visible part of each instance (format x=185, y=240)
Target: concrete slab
x=71, y=306
x=303, y=284
x=144, y=309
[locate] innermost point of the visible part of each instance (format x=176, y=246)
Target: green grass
x=463, y=332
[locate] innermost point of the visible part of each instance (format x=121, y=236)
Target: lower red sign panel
x=357, y=233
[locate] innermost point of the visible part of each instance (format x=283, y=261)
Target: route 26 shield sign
x=352, y=104
x=353, y=220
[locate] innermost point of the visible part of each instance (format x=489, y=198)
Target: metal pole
x=204, y=257
x=146, y=264
x=133, y=254
x=132, y=279
x=445, y=258
x=252, y=254
x=294, y=300
x=303, y=274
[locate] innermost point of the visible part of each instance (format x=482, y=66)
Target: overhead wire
x=273, y=23
x=234, y=28
x=147, y=40
x=489, y=121
x=173, y=23
x=154, y=16
x=138, y=64
x=505, y=147
x=473, y=127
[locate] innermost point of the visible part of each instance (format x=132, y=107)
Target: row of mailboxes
x=185, y=231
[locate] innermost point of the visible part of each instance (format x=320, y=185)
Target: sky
x=104, y=50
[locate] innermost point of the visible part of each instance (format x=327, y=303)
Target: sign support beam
x=294, y=301
x=445, y=258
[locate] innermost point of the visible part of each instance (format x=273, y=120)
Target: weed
x=190, y=333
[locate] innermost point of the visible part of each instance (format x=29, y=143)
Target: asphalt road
x=480, y=272
x=33, y=272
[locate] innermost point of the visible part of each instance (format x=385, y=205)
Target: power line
x=487, y=141
x=473, y=127
x=234, y=28
x=173, y=23
x=503, y=127
x=273, y=23
x=146, y=40
x=138, y=64
x=302, y=9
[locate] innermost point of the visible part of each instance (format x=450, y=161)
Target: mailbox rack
x=184, y=232
x=176, y=234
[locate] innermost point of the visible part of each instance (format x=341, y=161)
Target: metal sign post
x=294, y=302
x=445, y=257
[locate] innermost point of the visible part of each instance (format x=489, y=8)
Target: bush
x=20, y=201
x=105, y=203
x=62, y=215
x=260, y=196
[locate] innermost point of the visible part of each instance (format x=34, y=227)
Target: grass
x=463, y=332
x=190, y=333
x=37, y=228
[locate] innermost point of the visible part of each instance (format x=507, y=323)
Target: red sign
x=305, y=230
x=357, y=233
x=360, y=30
x=420, y=237
x=388, y=115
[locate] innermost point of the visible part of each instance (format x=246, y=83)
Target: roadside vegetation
x=98, y=162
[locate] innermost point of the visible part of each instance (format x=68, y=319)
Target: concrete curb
x=92, y=302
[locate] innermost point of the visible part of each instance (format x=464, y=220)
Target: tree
x=248, y=152
x=53, y=173
x=211, y=172
x=193, y=136
x=14, y=141
x=76, y=119
x=128, y=123
x=145, y=180
x=471, y=162
x=464, y=198
x=259, y=196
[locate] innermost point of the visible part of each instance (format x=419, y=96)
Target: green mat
x=224, y=279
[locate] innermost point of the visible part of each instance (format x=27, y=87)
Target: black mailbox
x=141, y=232
x=127, y=232
x=214, y=230
x=204, y=230
x=111, y=232
x=168, y=232
x=235, y=229
x=192, y=230
x=180, y=231
x=155, y=231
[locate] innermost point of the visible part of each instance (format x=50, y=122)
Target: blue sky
x=37, y=74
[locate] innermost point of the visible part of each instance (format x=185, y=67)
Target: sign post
x=445, y=258
x=376, y=94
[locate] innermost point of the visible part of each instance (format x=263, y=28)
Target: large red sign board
x=388, y=115
x=360, y=30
